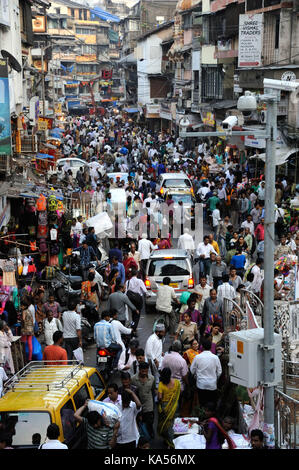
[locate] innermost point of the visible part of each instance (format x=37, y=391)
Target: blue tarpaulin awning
x=104, y=15
x=44, y=156
x=131, y=110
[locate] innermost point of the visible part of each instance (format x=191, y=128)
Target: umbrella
x=57, y=129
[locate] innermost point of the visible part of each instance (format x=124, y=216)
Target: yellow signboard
x=42, y=125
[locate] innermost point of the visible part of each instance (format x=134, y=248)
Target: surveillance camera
x=229, y=122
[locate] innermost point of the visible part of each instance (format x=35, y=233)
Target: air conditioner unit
x=263, y=117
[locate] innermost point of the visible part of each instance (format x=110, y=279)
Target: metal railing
x=255, y=303
x=286, y=421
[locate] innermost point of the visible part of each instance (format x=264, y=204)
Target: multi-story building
x=153, y=85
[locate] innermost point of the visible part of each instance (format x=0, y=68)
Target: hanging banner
x=5, y=129
x=250, y=40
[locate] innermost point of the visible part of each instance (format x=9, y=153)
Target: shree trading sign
x=250, y=40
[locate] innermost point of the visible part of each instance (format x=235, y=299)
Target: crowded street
x=149, y=283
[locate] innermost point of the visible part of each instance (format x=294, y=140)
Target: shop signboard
x=45, y=123
x=208, y=118
x=4, y=13
x=152, y=111
x=5, y=128
x=165, y=111
x=250, y=40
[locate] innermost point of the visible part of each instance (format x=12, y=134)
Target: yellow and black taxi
x=41, y=394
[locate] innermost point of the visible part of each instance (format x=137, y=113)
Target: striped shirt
x=104, y=334
x=97, y=438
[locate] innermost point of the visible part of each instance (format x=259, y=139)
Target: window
x=97, y=384
x=85, y=31
x=72, y=12
x=80, y=15
x=81, y=396
x=211, y=83
x=85, y=14
x=67, y=420
x=23, y=424
x=57, y=11
x=169, y=267
x=277, y=23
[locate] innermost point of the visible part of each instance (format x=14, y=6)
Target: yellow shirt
x=215, y=246
x=165, y=391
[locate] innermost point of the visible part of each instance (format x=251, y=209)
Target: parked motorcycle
x=65, y=286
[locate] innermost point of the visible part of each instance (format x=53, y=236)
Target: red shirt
x=55, y=353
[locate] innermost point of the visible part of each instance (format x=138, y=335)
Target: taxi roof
x=43, y=387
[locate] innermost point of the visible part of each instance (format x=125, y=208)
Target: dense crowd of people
x=191, y=377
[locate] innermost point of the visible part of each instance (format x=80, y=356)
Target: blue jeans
x=204, y=266
x=115, y=347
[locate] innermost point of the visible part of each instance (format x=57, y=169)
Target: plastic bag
x=113, y=413
x=37, y=354
x=78, y=354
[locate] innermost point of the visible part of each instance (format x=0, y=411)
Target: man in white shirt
x=145, y=247
x=207, y=369
x=154, y=350
x=52, y=442
x=186, y=242
x=165, y=297
x=203, y=191
x=216, y=219
x=248, y=223
x=203, y=252
x=203, y=290
x=226, y=290
x=72, y=329
x=258, y=278
x=119, y=328
x=128, y=433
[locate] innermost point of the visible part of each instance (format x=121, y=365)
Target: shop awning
x=128, y=59
x=282, y=155
x=44, y=156
x=131, y=110
x=225, y=104
x=104, y=15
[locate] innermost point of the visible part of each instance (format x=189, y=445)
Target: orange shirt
x=55, y=353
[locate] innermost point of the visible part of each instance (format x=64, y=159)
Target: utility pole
x=270, y=166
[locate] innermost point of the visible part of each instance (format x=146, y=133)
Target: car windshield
x=23, y=424
x=186, y=198
x=169, y=267
x=177, y=183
